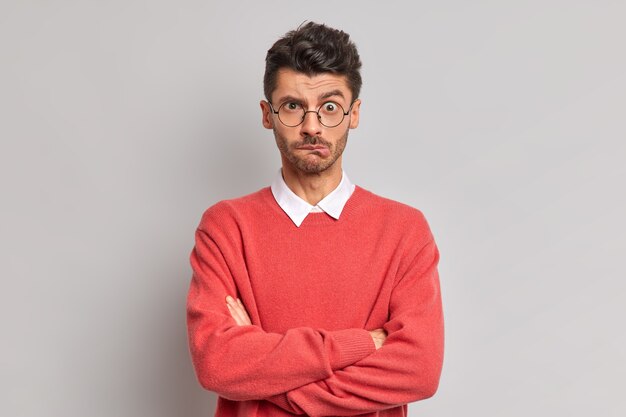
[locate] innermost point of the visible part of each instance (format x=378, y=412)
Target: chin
x=313, y=168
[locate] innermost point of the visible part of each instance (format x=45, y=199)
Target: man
x=314, y=296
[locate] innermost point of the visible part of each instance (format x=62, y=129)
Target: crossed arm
x=313, y=371
x=241, y=317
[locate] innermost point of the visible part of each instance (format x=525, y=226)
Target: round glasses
x=329, y=114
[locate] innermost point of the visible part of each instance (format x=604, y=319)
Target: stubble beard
x=310, y=164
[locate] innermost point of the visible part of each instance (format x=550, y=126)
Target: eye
x=292, y=106
x=330, y=107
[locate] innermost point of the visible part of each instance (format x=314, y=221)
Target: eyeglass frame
x=319, y=117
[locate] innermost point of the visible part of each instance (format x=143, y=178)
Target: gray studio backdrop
x=121, y=121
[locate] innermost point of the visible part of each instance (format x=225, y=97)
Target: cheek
x=281, y=140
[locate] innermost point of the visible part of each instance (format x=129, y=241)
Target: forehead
x=297, y=84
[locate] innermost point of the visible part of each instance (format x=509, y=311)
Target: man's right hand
x=379, y=336
x=238, y=311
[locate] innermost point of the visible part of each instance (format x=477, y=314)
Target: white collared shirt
x=297, y=209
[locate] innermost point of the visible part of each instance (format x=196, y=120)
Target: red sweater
x=312, y=294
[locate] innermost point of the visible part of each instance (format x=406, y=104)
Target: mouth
x=312, y=147
x=320, y=150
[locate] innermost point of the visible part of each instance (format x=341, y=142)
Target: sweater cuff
x=350, y=346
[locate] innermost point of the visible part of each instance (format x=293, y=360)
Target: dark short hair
x=313, y=49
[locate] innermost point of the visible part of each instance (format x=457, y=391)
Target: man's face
x=311, y=147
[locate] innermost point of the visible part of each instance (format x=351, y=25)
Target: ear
x=267, y=119
x=354, y=114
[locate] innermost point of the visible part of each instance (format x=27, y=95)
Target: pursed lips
x=322, y=150
x=312, y=147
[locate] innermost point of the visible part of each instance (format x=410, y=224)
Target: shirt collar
x=297, y=209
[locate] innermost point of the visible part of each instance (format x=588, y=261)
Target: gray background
x=121, y=121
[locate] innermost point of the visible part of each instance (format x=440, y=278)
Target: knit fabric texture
x=313, y=293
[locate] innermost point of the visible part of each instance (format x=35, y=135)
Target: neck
x=312, y=187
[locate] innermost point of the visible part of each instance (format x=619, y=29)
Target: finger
x=241, y=311
x=235, y=311
x=235, y=315
x=244, y=312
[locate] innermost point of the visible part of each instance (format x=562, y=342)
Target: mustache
x=312, y=140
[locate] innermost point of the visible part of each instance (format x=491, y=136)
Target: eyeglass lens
x=330, y=114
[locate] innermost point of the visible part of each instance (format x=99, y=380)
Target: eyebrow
x=322, y=96
x=331, y=94
x=285, y=99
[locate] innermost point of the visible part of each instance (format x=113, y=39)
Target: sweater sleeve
x=405, y=369
x=245, y=362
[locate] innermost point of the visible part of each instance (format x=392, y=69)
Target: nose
x=311, y=125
